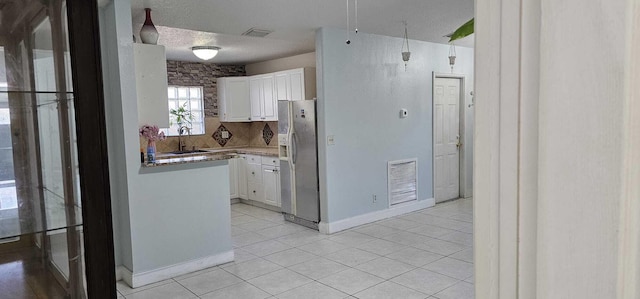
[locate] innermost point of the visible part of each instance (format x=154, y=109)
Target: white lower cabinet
x=242, y=177
x=256, y=178
x=233, y=177
x=271, y=183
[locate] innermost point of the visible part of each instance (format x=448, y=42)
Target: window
x=189, y=97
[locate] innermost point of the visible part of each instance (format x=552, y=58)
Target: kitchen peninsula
x=182, y=218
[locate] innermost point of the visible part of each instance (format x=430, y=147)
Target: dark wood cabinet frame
x=84, y=43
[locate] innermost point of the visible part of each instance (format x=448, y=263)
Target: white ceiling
x=186, y=23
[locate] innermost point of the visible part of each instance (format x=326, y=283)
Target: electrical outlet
x=375, y=198
x=225, y=134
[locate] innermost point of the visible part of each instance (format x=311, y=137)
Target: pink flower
x=151, y=133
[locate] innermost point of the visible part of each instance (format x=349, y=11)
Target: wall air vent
x=255, y=32
x=403, y=181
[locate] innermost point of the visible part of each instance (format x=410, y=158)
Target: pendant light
x=452, y=56
x=205, y=52
x=405, y=54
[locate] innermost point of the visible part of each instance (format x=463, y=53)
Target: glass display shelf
x=28, y=216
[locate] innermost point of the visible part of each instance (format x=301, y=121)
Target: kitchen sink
x=187, y=152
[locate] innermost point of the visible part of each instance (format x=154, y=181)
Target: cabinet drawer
x=254, y=173
x=254, y=159
x=271, y=161
x=256, y=191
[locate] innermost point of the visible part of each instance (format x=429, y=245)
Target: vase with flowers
x=152, y=133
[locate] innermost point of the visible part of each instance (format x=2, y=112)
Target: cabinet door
x=297, y=85
x=270, y=185
x=233, y=178
x=233, y=95
x=242, y=177
x=283, y=80
x=270, y=103
x=278, y=188
x=255, y=95
x=150, y=65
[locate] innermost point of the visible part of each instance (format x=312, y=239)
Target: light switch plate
x=330, y=140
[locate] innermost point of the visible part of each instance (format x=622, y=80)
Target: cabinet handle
x=274, y=161
x=253, y=172
x=254, y=191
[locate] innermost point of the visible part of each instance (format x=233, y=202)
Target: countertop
x=210, y=154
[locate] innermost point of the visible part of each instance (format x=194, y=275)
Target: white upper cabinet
x=255, y=94
x=283, y=86
x=264, y=106
x=233, y=99
x=295, y=85
x=270, y=102
x=255, y=98
x=150, y=64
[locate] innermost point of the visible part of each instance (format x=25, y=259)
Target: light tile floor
x=424, y=254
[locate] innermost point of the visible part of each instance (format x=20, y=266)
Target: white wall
x=361, y=89
x=580, y=147
x=556, y=189
x=281, y=64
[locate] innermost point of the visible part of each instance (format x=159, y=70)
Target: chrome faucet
x=181, y=145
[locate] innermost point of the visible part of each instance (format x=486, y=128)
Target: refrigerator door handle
x=294, y=147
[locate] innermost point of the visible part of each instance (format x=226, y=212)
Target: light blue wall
x=180, y=213
x=166, y=216
x=361, y=89
x=119, y=87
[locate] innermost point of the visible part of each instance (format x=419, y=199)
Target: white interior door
x=446, y=120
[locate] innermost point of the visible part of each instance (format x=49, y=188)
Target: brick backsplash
x=184, y=73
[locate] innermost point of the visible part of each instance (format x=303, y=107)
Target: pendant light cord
x=406, y=38
x=348, y=25
x=356, y=16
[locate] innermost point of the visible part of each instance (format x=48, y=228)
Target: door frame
x=462, y=164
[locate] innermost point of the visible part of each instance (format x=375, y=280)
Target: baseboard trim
x=135, y=280
x=340, y=225
x=119, y=270
x=260, y=205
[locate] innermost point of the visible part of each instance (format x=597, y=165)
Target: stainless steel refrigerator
x=298, y=147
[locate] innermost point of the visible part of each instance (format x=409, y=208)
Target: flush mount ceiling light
x=205, y=52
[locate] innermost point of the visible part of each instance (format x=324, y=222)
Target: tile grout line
x=240, y=212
